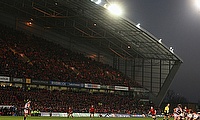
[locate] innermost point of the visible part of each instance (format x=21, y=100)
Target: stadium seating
x=59, y=101
x=28, y=56
x=32, y=57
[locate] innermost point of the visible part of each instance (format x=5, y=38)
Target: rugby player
x=152, y=111
x=92, y=110
x=27, y=108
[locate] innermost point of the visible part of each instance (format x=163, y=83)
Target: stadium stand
x=142, y=67
x=33, y=57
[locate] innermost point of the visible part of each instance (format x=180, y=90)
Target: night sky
x=177, y=23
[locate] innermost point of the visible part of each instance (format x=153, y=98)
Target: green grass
x=64, y=118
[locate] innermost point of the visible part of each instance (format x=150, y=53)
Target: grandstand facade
x=82, y=26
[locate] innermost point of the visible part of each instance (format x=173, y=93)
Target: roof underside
x=91, y=24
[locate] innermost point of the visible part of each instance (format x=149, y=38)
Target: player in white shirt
x=195, y=116
x=27, y=108
x=192, y=115
x=178, y=112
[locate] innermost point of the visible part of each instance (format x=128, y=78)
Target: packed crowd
x=59, y=101
x=24, y=56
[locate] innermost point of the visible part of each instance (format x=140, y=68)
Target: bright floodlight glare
x=96, y=1
x=197, y=3
x=115, y=9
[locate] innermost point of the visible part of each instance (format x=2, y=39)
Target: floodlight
x=197, y=3
x=160, y=40
x=171, y=49
x=114, y=9
x=138, y=25
x=96, y=1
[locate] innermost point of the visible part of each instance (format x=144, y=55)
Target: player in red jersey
x=152, y=111
x=70, y=112
x=92, y=110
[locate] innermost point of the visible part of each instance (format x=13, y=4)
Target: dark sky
x=177, y=23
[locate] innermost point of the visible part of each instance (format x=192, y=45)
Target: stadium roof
x=91, y=24
x=85, y=23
